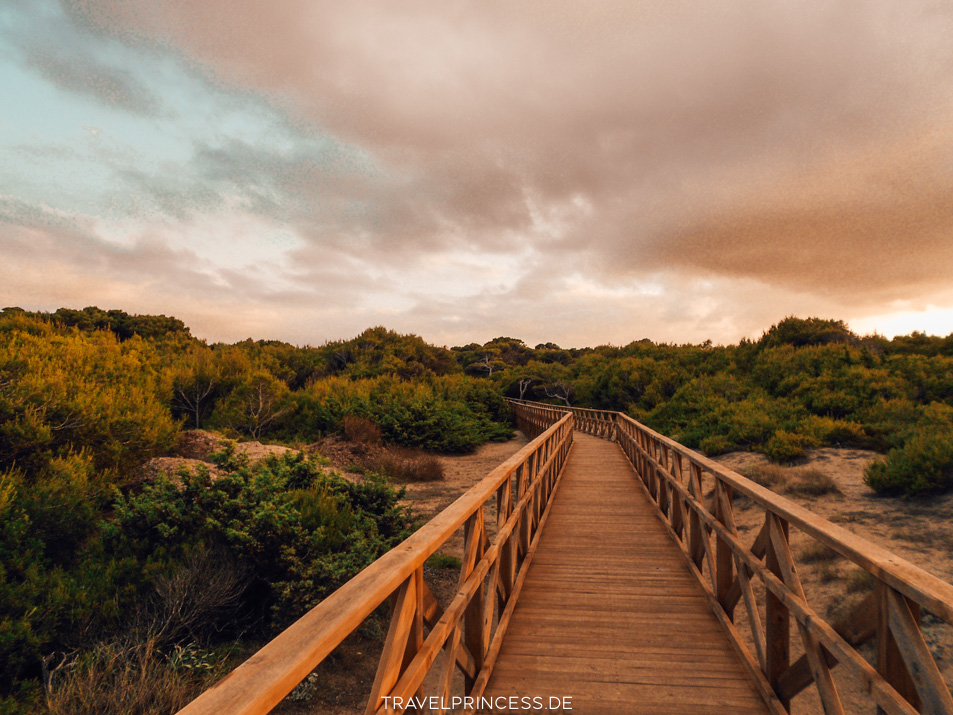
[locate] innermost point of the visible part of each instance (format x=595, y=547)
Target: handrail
x=694, y=498
x=600, y=423
x=469, y=630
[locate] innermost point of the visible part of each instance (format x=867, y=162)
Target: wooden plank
x=507, y=613
x=724, y=560
x=401, y=625
x=754, y=615
x=858, y=627
x=635, y=598
x=922, y=669
x=817, y=662
x=774, y=705
x=449, y=668
x=777, y=621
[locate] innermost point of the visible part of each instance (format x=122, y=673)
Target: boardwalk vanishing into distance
x=602, y=563
x=609, y=612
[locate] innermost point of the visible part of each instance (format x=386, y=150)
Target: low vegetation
x=798, y=481
x=169, y=575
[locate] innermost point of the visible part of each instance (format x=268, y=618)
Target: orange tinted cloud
x=797, y=147
x=868, y=228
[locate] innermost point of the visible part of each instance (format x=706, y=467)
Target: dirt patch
x=919, y=530
x=460, y=473
x=200, y=444
x=256, y=451
x=170, y=467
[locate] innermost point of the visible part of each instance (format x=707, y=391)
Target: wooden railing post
x=404, y=638
x=890, y=662
x=697, y=533
x=473, y=616
x=677, y=523
x=724, y=561
x=504, y=508
x=777, y=618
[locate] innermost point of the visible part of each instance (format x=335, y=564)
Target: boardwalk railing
x=694, y=498
x=468, y=632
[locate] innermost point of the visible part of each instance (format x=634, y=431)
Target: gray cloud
x=794, y=153
x=86, y=75
x=74, y=60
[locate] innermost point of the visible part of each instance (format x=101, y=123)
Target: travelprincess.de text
x=499, y=702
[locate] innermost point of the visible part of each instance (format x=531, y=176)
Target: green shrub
x=810, y=331
x=714, y=445
x=837, y=432
x=297, y=532
x=784, y=447
x=444, y=414
x=923, y=465
x=64, y=394
x=443, y=561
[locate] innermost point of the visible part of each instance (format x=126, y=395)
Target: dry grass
x=859, y=581
x=804, y=482
x=404, y=465
x=816, y=553
x=361, y=430
x=133, y=680
x=811, y=483
x=828, y=573
x=767, y=475
x=398, y=463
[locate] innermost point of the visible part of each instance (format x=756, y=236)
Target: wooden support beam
x=724, y=562
x=401, y=624
x=857, y=628
x=777, y=620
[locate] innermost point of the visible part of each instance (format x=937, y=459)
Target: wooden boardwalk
x=587, y=595
x=609, y=613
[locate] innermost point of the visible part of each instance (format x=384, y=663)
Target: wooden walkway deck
x=595, y=602
x=609, y=613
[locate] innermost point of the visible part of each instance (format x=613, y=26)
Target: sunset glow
x=581, y=173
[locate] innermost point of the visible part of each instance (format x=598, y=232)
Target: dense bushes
x=296, y=532
x=65, y=393
x=97, y=568
x=444, y=414
x=924, y=462
x=804, y=384
x=188, y=559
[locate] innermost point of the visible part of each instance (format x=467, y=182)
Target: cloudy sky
x=577, y=172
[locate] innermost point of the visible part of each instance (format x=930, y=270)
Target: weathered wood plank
x=591, y=597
